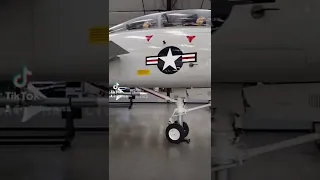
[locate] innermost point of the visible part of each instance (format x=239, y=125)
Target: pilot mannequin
x=147, y=24
x=201, y=21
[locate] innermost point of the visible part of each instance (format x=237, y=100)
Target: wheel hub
x=174, y=134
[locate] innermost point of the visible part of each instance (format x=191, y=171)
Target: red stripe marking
x=188, y=57
x=152, y=60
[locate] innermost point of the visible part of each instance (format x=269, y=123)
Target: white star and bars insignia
x=186, y=58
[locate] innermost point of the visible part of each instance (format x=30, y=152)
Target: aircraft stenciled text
x=117, y=92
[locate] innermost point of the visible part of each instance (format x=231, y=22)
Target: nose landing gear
x=175, y=133
x=177, y=130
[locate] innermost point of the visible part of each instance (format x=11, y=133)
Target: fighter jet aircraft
x=169, y=49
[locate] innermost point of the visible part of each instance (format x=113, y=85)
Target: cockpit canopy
x=180, y=18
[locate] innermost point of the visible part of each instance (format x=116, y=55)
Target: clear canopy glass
x=179, y=18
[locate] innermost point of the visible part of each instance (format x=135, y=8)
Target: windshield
x=144, y=22
x=196, y=18
x=186, y=18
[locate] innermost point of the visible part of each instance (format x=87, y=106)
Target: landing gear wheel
x=175, y=133
x=185, y=127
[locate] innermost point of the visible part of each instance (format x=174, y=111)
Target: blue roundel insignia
x=171, y=59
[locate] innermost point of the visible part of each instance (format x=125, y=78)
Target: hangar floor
x=139, y=150
x=87, y=159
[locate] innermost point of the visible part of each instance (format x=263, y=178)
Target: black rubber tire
x=185, y=127
x=181, y=131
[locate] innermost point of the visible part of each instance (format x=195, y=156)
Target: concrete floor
x=87, y=159
x=139, y=150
